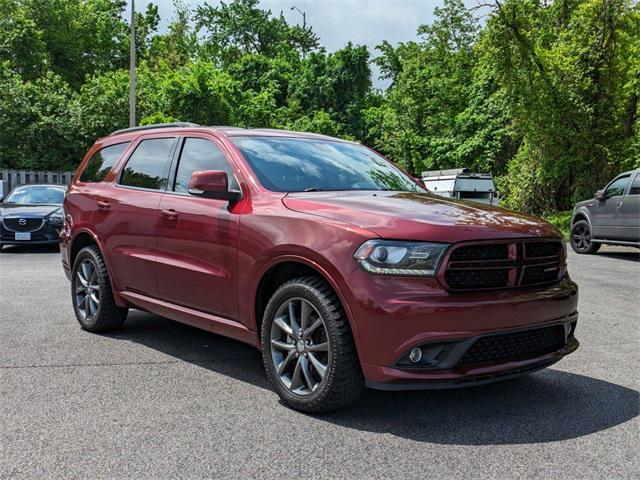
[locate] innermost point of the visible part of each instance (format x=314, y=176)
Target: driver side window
x=617, y=187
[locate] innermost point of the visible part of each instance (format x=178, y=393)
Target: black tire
x=581, y=238
x=343, y=382
x=107, y=315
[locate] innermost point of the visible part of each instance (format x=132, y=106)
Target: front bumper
x=391, y=316
x=45, y=235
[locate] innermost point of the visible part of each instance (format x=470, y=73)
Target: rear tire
x=581, y=238
x=91, y=293
x=307, y=347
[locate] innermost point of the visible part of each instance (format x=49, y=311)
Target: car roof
x=48, y=185
x=227, y=131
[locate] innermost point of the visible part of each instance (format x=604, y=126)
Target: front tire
x=307, y=348
x=91, y=293
x=581, y=238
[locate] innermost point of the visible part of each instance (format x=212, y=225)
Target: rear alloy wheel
x=307, y=347
x=93, y=301
x=581, y=238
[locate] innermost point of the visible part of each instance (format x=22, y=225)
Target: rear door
x=130, y=215
x=630, y=212
x=198, y=237
x=606, y=213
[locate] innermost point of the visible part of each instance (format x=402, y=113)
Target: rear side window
x=201, y=154
x=635, y=186
x=102, y=162
x=147, y=166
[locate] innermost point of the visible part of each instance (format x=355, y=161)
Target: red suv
x=338, y=266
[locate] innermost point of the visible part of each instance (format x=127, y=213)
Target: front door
x=198, y=237
x=606, y=212
x=630, y=213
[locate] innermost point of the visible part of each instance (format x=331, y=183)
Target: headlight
x=392, y=257
x=55, y=219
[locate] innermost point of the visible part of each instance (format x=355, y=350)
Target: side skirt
x=616, y=242
x=195, y=318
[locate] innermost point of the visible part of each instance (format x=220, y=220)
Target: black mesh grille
x=503, y=265
x=530, y=343
x=30, y=224
x=480, y=252
x=469, y=279
x=35, y=237
x=539, y=274
x=542, y=249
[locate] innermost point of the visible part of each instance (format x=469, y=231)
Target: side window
x=101, y=162
x=201, y=154
x=617, y=187
x=147, y=166
x=635, y=186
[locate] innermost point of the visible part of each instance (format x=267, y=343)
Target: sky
x=336, y=22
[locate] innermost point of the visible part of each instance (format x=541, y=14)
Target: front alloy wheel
x=581, y=238
x=299, y=346
x=307, y=347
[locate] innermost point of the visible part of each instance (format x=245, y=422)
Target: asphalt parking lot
x=162, y=400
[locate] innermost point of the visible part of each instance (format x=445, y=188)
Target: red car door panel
x=197, y=238
x=197, y=254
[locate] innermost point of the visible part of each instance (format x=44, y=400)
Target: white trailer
x=460, y=183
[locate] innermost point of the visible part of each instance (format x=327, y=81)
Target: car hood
x=419, y=216
x=9, y=210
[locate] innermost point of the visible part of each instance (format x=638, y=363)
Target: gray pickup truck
x=612, y=217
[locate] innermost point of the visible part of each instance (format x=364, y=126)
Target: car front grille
x=514, y=264
x=528, y=343
x=23, y=224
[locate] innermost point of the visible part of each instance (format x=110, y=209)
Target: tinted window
x=147, y=166
x=635, y=186
x=37, y=195
x=296, y=165
x=201, y=154
x=102, y=161
x=617, y=187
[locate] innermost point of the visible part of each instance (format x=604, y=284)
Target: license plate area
x=23, y=236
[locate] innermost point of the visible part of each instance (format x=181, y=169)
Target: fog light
x=416, y=355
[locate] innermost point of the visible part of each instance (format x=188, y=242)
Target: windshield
x=298, y=165
x=36, y=195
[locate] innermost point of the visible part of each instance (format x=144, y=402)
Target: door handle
x=102, y=205
x=169, y=214
x=619, y=204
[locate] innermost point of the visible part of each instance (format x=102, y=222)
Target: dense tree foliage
x=542, y=93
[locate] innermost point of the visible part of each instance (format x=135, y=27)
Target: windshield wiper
x=312, y=189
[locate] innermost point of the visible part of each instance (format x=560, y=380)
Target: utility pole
x=304, y=23
x=132, y=68
x=304, y=16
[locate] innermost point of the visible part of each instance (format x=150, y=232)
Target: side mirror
x=600, y=195
x=212, y=184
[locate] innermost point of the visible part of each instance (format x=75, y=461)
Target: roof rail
x=155, y=125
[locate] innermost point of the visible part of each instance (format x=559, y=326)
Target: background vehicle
x=612, y=216
x=338, y=266
x=459, y=183
x=32, y=215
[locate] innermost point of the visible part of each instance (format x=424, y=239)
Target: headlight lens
x=55, y=219
x=393, y=257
